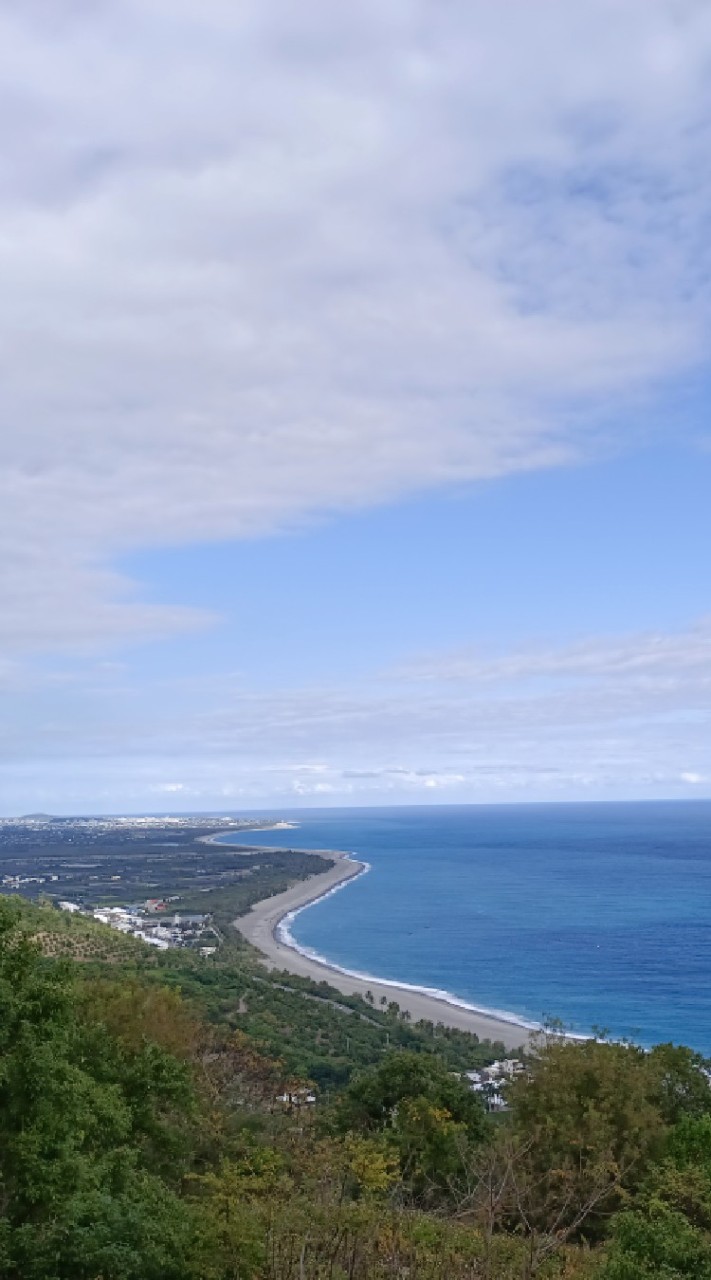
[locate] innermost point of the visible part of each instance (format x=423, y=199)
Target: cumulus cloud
x=262, y=262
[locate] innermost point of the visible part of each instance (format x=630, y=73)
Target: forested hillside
x=155, y=1125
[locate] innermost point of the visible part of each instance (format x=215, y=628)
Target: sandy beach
x=217, y=837
x=260, y=925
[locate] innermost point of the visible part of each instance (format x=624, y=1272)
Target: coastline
x=217, y=837
x=266, y=927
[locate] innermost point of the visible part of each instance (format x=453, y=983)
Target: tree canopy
x=146, y=1133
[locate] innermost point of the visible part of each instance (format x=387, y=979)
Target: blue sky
x=611, y=547
x=354, y=404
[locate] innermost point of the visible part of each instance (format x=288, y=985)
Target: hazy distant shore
x=266, y=927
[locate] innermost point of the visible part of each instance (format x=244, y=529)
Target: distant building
x=300, y=1098
x=490, y=1081
x=495, y=1102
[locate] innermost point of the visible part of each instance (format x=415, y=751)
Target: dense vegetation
x=142, y=1137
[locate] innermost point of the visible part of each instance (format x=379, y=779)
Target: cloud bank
x=264, y=262
x=623, y=716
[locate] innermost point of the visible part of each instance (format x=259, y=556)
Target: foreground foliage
x=141, y=1138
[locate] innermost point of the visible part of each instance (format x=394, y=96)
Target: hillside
x=77, y=937
x=154, y=1126
x=319, y=1033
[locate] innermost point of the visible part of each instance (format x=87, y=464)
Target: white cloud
x=632, y=659
x=261, y=262
x=301, y=788
x=632, y=719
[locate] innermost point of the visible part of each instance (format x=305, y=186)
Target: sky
x=354, y=403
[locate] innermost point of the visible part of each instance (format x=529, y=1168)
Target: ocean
x=595, y=914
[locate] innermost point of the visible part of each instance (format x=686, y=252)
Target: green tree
x=372, y=1100
x=430, y=1117
x=590, y=1118
x=668, y=1233
x=79, y=1134
x=679, y=1084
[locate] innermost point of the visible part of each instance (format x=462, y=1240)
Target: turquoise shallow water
x=598, y=914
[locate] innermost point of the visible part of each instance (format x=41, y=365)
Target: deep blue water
x=598, y=914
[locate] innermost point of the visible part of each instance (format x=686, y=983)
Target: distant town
x=168, y=881
x=155, y=923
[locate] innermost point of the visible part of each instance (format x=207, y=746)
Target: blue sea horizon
x=596, y=914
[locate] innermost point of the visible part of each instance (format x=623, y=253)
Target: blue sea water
x=597, y=914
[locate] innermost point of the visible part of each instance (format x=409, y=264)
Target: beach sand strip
x=259, y=927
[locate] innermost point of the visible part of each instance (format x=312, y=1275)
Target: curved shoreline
x=266, y=927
